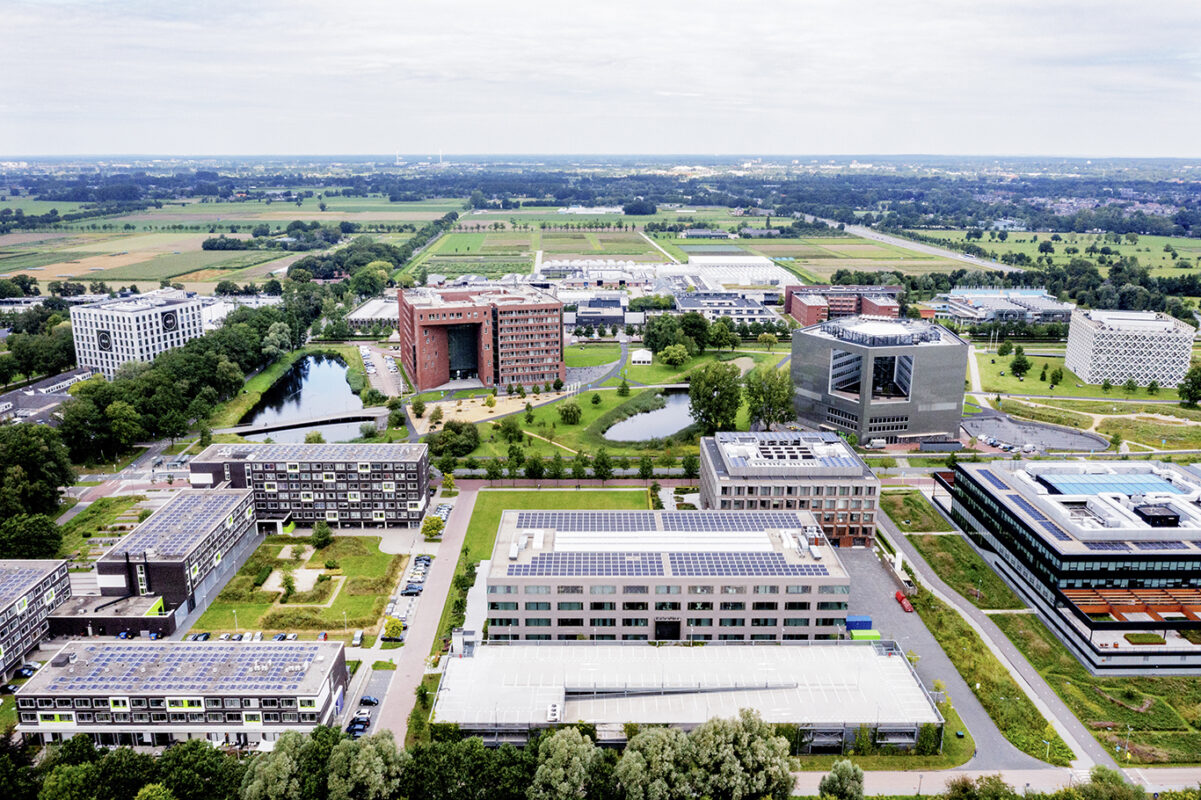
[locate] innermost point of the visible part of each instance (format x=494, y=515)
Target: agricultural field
x=493, y=254
x=195, y=214
x=992, y=381
x=27, y=205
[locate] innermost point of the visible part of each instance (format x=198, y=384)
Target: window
x=700, y=590
x=763, y=622
x=732, y=622
x=571, y=590
x=796, y=622
x=700, y=606
x=635, y=622
x=767, y=590
x=667, y=606
x=537, y=590
x=537, y=622
x=571, y=606
x=828, y=589
x=634, y=606
x=667, y=590
x=700, y=622
x=799, y=589
x=764, y=606
x=571, y=622
x=733, y=590
x=603, y=622
x=537, y=606
x=502, y=606
x=796, y=606
x=636, y=589
x=832, y=606
x=733, y=606
x=495, y=589
x=602, y=589
x=602, y=606
x=503, y=622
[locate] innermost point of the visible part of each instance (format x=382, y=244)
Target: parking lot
x=382, y=370
x=1020, y=432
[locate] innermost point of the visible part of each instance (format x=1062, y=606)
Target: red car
x=904, y=601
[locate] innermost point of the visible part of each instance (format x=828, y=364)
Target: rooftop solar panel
x=1121, y=483
x=586, y=564
x=996, y=482
x=1107, y=545
x=19, y=578
x=740, y=565
x=180, y=525
x=1164, y=545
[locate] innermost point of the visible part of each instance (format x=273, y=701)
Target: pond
x=673, y=417
x=315, y=386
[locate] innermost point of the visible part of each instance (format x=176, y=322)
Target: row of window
x=802, y=490
x=642, y=637
x=670, y=588
x=642, y=622
x=703, y=605
x=162, y=717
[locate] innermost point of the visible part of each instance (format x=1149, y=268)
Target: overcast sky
x=1090, y=78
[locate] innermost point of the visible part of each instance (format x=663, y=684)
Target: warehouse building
x=810, y=471
x=496, y=335
x=1100, y=549
x=897, y=380
x=30, y=591
x=664, y=576
x=505, y=692
x=1116, y=346
x=160, y=693
x=969, y=306
x=112, y=331
x=344, y=484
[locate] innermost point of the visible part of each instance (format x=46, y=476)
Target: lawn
x=955, y=752
x=93, y=520
x=1163, y=712
x=1118, y=406
x=485, y=519
x=660, y=373
x=911, y=512
x=105, y=467
x=591, y=355
x=992, y=381
x=954, y=560
x=1153, y=432
x=1052, y=415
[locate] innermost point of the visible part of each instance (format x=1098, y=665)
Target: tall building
x=353, y=484
x=810, y=305
x=1100, y=549
x=496, y=335
x=159, y=693
x=664, y=576
x=1120, y=345
x=112, y=331
x=880, y=378
x=816, y=472
x=29, y=593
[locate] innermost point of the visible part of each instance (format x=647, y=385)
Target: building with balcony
x=1117, y=346
x=112, y=331
x=30, y=591
x=809, y=471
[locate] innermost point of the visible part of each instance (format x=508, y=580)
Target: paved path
x=655, y=245
x=423, y=627
x=973, y=369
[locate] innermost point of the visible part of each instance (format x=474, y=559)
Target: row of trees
x=695, y=334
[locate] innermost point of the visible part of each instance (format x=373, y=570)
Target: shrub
x=261, y=577
x=570, y=413
x=457, y=438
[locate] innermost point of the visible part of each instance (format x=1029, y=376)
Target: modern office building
x=968, y=306
x=496, y=335
x=344, y=484
x=1116, y=346
x=715, y=305
x=879, y=378
x=112, y=331
x=29, y=593
x=810, y=305
x=1101, y=549
x=664, y=576
x=809, y=471
x=184, y=552
x=507, y=692
x=159, y=693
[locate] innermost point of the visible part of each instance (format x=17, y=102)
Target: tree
x=646, y=468
x=673, y=355
x=1189, y=389
x=1130, y=386
x=1057, y=376
x=844, y=782
x=457, y=438
x=1153, y=387
x=714, y=396
x=446, y=463
x=691, y=465
x=596, y=399
x=1005, y=349
x=435, y=416
x=29, y=536
x=624, y=389
x=448, y=482
x=418, y=407
x=655, y=766
x=565, y=759
x=769, y=395
x=602, y=465
x=722, y=336
x=277, y=775
x=33, y=464
x=570, y=413
x=206, y=434
x=154, y=791
x=1020, y=365
x=768, y=339
x=70, y=782
x=493, y=470
x=122, y=773
x=556, y=469
x=694, y=325
x=1042, y=376
x=510, y=430
x=579, y=467
x=367, y=769
x=321, y=537
x=740, y=757
x=277, y=341
x=534, y=468
x=195, y=770
x=1106, y=385
x=314, y=437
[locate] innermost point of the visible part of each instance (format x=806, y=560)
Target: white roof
x=642, y=353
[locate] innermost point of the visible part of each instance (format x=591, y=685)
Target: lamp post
x=236, y=622
x=1048, y=755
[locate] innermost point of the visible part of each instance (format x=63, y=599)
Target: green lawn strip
x=955, y=752
x=591, y=355
x=1153, y=432
x=912, y=512
x=886, y=462
x=418, y=728
x=1118, y=406
x=1055, y=416
x=391, y=645
x=485, y=518
x=954, y=560
x=384, y=665
x=658, y=372
x=105, y=467
x=992, y=381
x=352, y=666
x=1010, y=709
x=94, y=519
x=1163, y=712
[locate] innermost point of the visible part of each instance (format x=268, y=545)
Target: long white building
x=136, y=328
x=1120, y=345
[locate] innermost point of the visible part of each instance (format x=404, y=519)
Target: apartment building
x=30, y=590
x=809, y=471
x=155, y=694
x=664, y=576
x=810, y=305
x=359, y=485
x=1117, y=346
x=496, y=335
x=112, y=331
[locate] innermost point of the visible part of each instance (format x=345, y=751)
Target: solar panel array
x=1039, y=518
x=595, y=564
x=1161, y=545
x=180, y=525
x=740, y=564
x=993, y=479
x=1127, y=484
x=632, y=521
x=192, y=668
x=17, y=581
x=323, y=452
x=1053, y=529
x=731, y=521
x=1107, y=545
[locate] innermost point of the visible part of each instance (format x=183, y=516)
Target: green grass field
x=964, y=571
x=911, y=512
x=1153, y=432
x=1055, y=416
x=169, y=266
x=1120, y=406
x=992, y=381
x=658, y=372
x=93, y=520
x=591, y=355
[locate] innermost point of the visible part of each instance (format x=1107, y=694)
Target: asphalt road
x=918, y=247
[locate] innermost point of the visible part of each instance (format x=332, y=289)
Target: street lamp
x=1048, y=755
x=236, y=622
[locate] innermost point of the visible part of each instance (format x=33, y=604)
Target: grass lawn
x=1163, y=712
x=94, y=519
x=1153, y=432
x=1119, y=407
x=964, y=571
x=658, y=372
x=954, y=752
x=992, y=381
x=485, y=518
x=1053, y=415
x=106, y=467
x=418, y=728
x=591, y=355
x=886, y=462
x=912, y=513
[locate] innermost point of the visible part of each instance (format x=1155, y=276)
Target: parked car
x=291, y=637
x=258, y=636
x=204, y=637
x=409, y=591
x=368, y=700
x=321, y=637
x=9, y=688
x=237, y=637
x=279, y=637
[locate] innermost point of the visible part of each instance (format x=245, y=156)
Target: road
x=918, y=247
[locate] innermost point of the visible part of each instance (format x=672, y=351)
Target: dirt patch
x=472, y=409
x=305, y=580
x=744, y=364
x=1141, y=708
x=84, y=267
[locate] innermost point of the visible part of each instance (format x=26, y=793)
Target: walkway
x=373, y=414
x=655, y=245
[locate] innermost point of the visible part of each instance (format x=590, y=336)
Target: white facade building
x=136, y=328
x=1120, y=345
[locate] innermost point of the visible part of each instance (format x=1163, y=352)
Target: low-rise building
x=112, y=331
x=158, y=693
x=810, y=305
x=969, y=306
x=715, y=305
x=664, y=576
x=376, y=311
x=1118, y=346
x=354, y=484
x=809, y=471
x=30, y=591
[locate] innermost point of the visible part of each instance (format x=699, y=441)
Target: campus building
x=664, y=576
x=508, y=692
x=715, y=305
x=1116, y=346
x=112, y=331
x=496, y=335
x=968, y=306
x=29, y=593
x=158, y=693
x=1100, y=549
x=182, y=554
x=879, y=378
x=344, y=484
x=812, y=471
x=810, y=305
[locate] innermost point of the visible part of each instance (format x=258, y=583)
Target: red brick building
x=810, y=305
x=497, y=335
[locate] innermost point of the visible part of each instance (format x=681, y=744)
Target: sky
x=1022, y=77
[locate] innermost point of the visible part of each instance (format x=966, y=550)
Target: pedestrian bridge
x=378, y=415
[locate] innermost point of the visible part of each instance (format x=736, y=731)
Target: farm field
x=992, y=381
x=492, y=254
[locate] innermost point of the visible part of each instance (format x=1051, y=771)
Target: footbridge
x=378, y=415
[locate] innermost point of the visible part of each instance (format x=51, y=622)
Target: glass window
x=602, y=589
x=830, y=589
x=764, y=606
x=571, y=606
x=733, y=606
x=731, y=622
x=667, y=606
x=763, y=622
x=571, y=590
x=537, y=589
x=537, y=606
x=669, y=589
x=767, y=589
x=799, y=589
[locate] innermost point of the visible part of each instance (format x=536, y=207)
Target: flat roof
x=1095, y=506
x=185, y=668
x=105, y=605
x=714, y=300
x=376, y=307
x=786, y=454
x=1135, y=320
x=159, y=298
x=253, y=451
x=18, y=577
x=181, y=524
x=820, y=684
x=478, y=294
x=665, y=544
x=873, y=331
